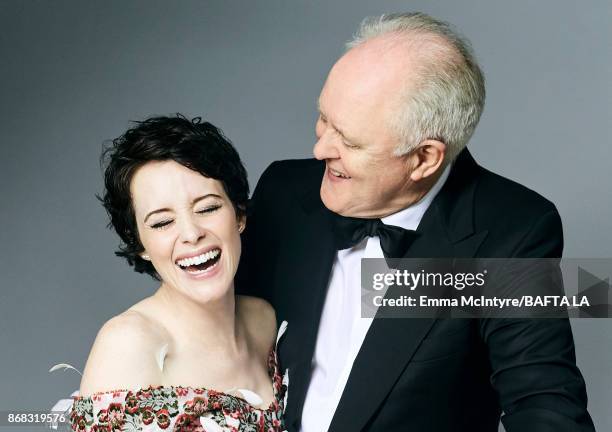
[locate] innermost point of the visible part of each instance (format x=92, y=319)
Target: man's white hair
x=448, y=97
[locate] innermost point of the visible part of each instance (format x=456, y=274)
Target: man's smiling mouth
x=338, y=174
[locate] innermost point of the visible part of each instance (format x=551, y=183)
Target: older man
x=396, y=113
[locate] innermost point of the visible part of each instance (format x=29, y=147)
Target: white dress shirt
x=341, y=329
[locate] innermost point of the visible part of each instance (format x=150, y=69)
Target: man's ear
x=427, y=159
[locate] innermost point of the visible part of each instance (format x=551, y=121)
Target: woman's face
x=188, y=228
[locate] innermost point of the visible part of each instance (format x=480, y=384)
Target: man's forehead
x=359, y=80
x=374, y=65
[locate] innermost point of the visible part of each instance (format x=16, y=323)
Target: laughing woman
x=193, y=356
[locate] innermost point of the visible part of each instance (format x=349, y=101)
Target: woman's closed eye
x=209, y=209
x=166, y=222
x=161, y=224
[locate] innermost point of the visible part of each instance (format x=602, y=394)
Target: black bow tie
x=394, y=240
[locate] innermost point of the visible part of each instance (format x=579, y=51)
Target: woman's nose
x=190, y=231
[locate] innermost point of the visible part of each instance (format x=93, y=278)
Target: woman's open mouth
x=200, y=264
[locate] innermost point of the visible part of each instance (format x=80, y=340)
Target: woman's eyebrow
x=161, y=210
x=210, y=195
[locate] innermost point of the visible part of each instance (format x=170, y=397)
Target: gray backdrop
x=74, y=72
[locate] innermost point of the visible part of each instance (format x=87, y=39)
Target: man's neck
x=419, y=194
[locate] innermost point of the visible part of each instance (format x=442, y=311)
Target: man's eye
x=349, y=145
x=209, y=209
x=162, y=224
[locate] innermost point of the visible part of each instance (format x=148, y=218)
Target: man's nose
x=190, y=231
x=325, y=147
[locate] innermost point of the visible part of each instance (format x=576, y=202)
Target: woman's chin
x=203, y=286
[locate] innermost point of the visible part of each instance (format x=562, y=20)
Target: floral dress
x=181, y=409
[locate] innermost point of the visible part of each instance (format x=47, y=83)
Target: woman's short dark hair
x=195, y=144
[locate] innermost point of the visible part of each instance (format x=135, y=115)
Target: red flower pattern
x=148, y=416
x=178, y=409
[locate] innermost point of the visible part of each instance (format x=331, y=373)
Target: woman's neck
x=213, y=325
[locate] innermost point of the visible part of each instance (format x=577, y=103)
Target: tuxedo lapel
x=308, y=260
x=446, y=230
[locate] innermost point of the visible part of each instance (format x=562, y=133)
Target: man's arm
x=533, y=360
x=246, y=281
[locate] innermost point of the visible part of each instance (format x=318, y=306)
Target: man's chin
x=331, y=201
x=333, y=204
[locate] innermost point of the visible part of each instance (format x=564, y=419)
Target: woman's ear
x=241, y=223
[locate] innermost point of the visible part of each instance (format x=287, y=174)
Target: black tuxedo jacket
x=419, y=375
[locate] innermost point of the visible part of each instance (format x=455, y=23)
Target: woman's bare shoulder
x=123, y=355
x=260, y=319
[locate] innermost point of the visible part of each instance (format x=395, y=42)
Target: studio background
x=74, y=73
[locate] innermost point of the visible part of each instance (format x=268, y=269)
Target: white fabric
x=341, y=329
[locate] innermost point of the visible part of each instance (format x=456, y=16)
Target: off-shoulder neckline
x=273, y=373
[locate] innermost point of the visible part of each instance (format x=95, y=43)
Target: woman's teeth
x=200, y=259
x=196, y=271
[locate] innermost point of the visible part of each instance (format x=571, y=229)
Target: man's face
x=363, y=178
